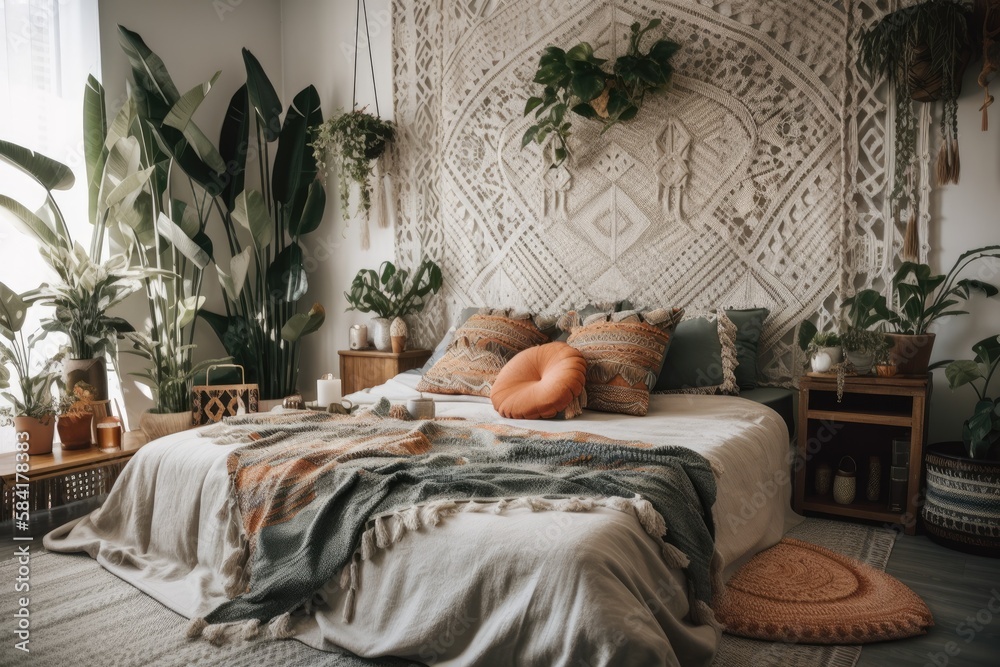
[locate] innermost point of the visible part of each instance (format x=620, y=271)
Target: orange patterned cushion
x=541, y=382
x=624, y=353
x=480, y=349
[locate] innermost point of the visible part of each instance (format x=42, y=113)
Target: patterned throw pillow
x=479, y=350
x=624, y=353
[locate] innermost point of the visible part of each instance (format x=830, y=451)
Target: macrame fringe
x=911, y=238
x=379, y=210
x=948, y=167
x=568, y=321
x=576, y=406
x=607, y=372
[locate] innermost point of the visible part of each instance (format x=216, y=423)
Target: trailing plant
x=865, y=342
x=932, y=35
x=920, y=298
x=575, y=82
x=390, y=293
x=981, y=431
x=354, y=141
x=34, y=381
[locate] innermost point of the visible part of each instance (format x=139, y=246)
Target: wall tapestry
x=759, y=180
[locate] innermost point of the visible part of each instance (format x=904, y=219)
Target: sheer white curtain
x=47, y=49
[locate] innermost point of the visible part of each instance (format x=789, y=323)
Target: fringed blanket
x=318, y=492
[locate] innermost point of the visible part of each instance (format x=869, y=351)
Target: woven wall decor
x=758, y=181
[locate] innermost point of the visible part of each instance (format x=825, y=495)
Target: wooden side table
x=874, y=411
x=361, y=369
x=65, y=476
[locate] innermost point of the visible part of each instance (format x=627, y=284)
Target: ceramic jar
x=380, y=334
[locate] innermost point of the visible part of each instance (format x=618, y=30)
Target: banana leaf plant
x=265, y=277
x=153, y=143
x=36, y=398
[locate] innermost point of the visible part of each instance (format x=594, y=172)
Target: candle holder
x=109, y=433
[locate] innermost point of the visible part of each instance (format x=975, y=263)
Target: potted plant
x=920, y=299
x=963, y=476
x=76, y=417
x=34, y=411
x=862, y=347
x=575, y=82
x=822, y=348
x=354, y=141
x=391, y=293
x=922, y=50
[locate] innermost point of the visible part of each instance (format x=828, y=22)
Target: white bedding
x=518, y=588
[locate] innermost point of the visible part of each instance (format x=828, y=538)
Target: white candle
x=328, y=392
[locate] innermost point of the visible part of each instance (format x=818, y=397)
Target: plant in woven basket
x=575, y=82
x=354, y=141
x=922, y=51
x=981, y=431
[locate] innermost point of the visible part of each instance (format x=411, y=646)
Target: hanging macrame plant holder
x=991, y=53
x=382, y=210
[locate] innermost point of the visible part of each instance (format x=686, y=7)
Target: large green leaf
x=806, y=332
x=52, y=175
x=180, y=118
x=962, y=372
x=12, y=311
x=234, y=144
x=294, y=164
x=126, y=192
x=251, y=213
x=988, y=350
x=188, y=308
x=95, y=132
x=232, y=281
x=170, y=231
x=287, y=275
x=174, y=144
x=263, y=98
x=150, y=72
x=312, y=213
x=31, y=224
x=303, y=324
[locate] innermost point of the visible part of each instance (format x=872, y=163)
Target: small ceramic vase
x=380, y=334
x=845, y=482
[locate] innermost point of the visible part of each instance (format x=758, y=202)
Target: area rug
x=76, y=605
x=798, y=591
x=871, y=546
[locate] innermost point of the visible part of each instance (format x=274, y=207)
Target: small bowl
x=886, y=370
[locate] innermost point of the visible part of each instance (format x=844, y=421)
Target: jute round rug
x=800, y=592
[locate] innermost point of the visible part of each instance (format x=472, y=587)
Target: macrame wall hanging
x=988, y=11
x=760, y=180
x=359, y=142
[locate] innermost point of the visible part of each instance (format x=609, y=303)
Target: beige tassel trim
x=911, y=238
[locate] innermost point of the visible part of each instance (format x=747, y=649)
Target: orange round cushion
x=540, y=382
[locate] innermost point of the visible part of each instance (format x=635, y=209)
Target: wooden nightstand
x=361, y=369
x=874, y=412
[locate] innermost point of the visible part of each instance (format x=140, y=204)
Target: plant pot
x=862, y=362
x=380, y=333
x=924, y=82
x=91, y=371
x=958, y=512
x=836, y=353
x=74, y=430
x=886, y=370
x=911, y=352
x=40, y=433
x=155, y=425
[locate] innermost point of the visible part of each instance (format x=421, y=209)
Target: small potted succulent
x=963, y=475
x=76, y=417
x=392, y=293
x=575, y=82
x=34, y=411
x=822, y=348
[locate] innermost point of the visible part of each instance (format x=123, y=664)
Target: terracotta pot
x=91, y=371
x=40, y=433
x=957, y=512
x=911, y=352
x=158, y=425
x=886, y=370
x=74, y=430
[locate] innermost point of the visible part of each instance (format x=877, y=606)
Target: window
x=47, y=49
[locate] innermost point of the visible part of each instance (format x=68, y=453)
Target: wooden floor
x=957, y=587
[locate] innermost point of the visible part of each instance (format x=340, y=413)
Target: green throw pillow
x=749, y=327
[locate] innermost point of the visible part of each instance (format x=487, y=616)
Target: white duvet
x=517, y=588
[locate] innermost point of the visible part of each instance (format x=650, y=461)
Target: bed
x=516, y=587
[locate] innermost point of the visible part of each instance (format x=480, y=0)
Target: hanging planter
x=357, y=143
x=575, y=82
x=922, y=51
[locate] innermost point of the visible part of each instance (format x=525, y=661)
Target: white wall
x=965, y=216
x=318, y=48
x=195, y=38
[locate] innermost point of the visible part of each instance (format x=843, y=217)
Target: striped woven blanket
x=315, y=491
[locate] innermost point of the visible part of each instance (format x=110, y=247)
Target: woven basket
x=845, y=482
x=924, y=82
